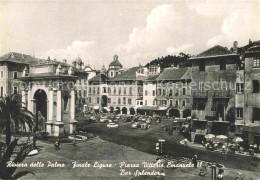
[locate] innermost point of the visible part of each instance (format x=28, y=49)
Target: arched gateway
x=48, y=92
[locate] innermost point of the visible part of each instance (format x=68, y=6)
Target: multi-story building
x=213, y=84
x=173, y=92
x=250, y=112
x=11, y=68
x=125, y=90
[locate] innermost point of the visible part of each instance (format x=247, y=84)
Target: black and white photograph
x=130, y=89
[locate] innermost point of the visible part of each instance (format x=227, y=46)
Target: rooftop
x=174, y=74
x=115, y=62
x=98, y=78
x=214, y=52
x=129, y=74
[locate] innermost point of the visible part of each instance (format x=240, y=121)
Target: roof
x=129, y=74
x=32, y=61
x=174, y=74
x=115, y=62
x=152, y=77
x=213, y=52
x=99, y=77
x=20, y=58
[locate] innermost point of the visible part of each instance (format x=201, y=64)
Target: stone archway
x=40, y=109
x=124, y=110
x=174, y=113
x=186, y=113
x=132, y=111
x=111, y=109
x=118, y=111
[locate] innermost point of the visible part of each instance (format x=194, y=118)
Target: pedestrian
x=74, y=142
x=56, y=145
x=194, y=160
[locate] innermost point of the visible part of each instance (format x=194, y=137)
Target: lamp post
x=161, y=142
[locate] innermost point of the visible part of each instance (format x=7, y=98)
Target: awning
x=147, y=108
x=96, y=107
x=252, y=128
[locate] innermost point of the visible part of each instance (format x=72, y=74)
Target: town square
x=130, y=90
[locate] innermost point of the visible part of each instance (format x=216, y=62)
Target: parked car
x=136, y=125
x=103, y=120
x=145, y=126
x=112, y=125
x=148, y=121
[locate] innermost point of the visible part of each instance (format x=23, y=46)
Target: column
x=72, y=111
x=58, y=106
x=30, y=101
x=49, y=123
x=58, y=125
x=23, y=98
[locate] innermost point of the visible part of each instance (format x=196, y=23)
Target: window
x=199, y=104
x=94, y=90
x=124, y=90
x=119, y=90
x=15, y=90
x=85, y=93
x=183, y=91
x=159, y=92
x=183, y=103
x=80, y=93
x=2, y=91
x=130, y=90
x=222, y=65
x=89, y=90
x=240, y=87
x=145, y=102
x=141, y=102
x=146, y=92
x=66, y=100
x=256, y=115
x=111, y=74
x=202, y=66
x=2, y=74
x=79, y=81
x=170, y=93
x=239, y=113
x=116, y=73
x=256, y=63
x=255, y=86
x=114, y=90
x=97, y=90
x=129, y=101
x=15, y=74
x=154, y=102
x=164, y=92
x=176, y=103
x=170, y=102
x=153, y=92
x=89, y=99
x=109, y=100
x=119, y=101
x=97, y=100
x=124, y=100
x=109, y=90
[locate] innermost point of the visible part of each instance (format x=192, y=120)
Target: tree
x=12, y=113
x=9, y=172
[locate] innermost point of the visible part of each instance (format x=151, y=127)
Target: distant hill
x=167, y=61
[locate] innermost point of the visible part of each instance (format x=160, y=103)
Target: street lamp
x=161, y=142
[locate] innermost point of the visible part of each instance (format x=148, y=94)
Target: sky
x=137, y=31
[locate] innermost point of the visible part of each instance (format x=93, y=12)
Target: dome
x=115, y=62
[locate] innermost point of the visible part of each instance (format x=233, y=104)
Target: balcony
x=200, y=94
x=221, y=94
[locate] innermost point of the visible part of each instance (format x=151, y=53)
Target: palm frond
x=21, y=174
x=9, y=150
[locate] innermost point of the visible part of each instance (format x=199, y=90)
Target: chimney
x=235, y=46
x=64, y=60
x=48, y=60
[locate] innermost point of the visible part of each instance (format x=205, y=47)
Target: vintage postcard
x=130, y=89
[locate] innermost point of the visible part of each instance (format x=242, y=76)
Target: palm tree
x=12, y=113
x=9, y=152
